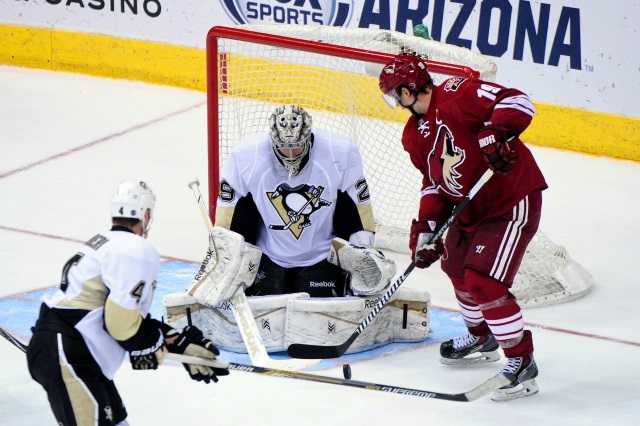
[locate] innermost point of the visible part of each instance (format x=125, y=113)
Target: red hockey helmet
x=405, y=70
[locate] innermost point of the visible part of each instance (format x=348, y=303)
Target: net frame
x=548, y=274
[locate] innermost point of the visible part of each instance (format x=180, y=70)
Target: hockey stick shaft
x=483, y=389
x=490, y=385
x=242, y=312
x=14, y=341
x=300, y=350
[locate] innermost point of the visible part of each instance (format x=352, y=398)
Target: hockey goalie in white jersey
x=290, y=191
x=300, y=196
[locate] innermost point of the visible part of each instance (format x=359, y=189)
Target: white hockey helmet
x=290, y=128
x=131, y=200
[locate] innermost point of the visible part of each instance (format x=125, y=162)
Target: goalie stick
x=304, y=351
x=483, y=389
x=244, y=317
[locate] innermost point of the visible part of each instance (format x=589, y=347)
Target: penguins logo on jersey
x=450, y=158
x=295, y=206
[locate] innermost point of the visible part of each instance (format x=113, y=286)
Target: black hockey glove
x=496, y=150
x=191, y=341
x=151, y=357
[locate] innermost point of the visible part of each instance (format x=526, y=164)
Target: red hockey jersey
x=443, y=145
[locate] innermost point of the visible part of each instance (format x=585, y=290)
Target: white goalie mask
x=290, y=128
x=131, y=200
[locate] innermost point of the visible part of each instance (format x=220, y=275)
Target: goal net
x=332, y=73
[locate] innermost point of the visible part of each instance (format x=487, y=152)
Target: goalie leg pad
x=331, y=321
x=219, y=324
x=371, y=272
x=230, y=266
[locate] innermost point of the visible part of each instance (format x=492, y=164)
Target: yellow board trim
x=104, y=56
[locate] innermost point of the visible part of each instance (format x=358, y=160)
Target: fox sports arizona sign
x=306, y=12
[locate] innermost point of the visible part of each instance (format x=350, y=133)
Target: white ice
x=67, y=139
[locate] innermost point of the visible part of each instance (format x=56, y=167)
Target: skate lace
x=464, y=341
x=513, y=364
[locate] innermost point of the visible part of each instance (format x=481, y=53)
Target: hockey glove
x=496, y=150
x=191, y=341
x=422, y=253
x=149, y=358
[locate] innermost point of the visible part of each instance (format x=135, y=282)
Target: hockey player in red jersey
x=457, y=130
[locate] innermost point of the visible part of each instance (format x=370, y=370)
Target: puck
x=346, y=371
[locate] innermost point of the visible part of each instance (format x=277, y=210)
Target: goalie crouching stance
x=300, y=197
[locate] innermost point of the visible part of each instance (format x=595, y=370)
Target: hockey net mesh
x=342, y=95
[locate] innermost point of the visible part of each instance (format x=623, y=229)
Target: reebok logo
x=322, y=284
x=487, y=140
x=203, y=265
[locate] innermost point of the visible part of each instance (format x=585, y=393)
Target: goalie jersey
x=293, y=219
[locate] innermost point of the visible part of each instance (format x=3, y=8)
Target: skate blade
x=472, y=359
x=526, y=388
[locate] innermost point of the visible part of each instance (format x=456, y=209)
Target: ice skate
x=469, y=350
x=523, y=370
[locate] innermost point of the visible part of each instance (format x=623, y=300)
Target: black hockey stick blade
x=303, y=351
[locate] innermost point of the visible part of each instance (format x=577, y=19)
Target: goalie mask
x=131, y=200
x=290, y=128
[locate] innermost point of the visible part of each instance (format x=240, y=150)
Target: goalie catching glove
x=423, y=253
x=370, y=271
x=191, y=341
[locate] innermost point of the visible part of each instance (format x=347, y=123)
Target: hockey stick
x=485, y=388
x=304, y=351
x=490, y=385
x=244, y=317
x=14, y=341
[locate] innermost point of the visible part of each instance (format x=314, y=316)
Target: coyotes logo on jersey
x=295, y=206
x=442, y=167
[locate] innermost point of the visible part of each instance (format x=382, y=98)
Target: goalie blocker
x=230, y=266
